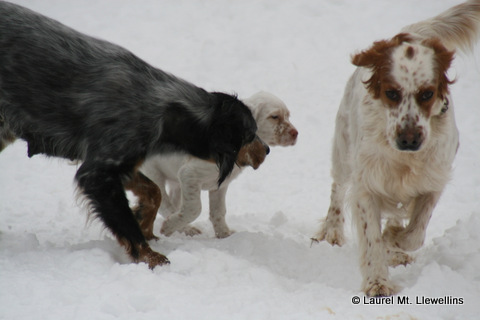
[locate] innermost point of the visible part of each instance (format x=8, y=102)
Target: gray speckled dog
x=72, y=96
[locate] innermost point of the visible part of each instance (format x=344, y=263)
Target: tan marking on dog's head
x=253, y=154
x=378, y=58
x=409, y=77
x=409, y=53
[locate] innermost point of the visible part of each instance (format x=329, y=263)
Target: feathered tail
x=457, y=27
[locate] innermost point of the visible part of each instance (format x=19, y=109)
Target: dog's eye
x=393, y=95
x=274, y=117
x=427, y=95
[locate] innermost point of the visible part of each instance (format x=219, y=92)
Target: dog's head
x=232, y=127
x=273, y=119
x=253, y=154
x=409, y=78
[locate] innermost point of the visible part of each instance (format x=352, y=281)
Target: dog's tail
x=457, y=27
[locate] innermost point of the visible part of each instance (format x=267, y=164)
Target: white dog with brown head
x=395, y=141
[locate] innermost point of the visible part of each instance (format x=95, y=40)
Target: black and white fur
x=72, y=96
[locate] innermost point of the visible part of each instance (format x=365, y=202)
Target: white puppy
x=187, y=175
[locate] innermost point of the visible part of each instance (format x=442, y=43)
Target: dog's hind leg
x=149, y=200
x=103, y=186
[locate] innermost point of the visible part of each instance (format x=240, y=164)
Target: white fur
x=187, y=176
x=378, y=180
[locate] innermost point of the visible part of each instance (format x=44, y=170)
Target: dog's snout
x=293, y=133
x=409, y=139
x=267, y=148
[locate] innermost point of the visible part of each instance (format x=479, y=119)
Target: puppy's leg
x=155, y=174
x=175, y=197
x=412, y=237
x=175, y=194
x=191, y=205
x=373, y=258
x=217, y=212
x=102, y=185
x=149, y=199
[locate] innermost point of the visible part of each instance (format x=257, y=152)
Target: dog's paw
x=379, y=288
x=334, y=236
x=396, y=258
x=167, y=228
x=191, y=231
x=393, y=235
x=149, y=235
x=170, y=226
x=221, y=234
x=152, y=258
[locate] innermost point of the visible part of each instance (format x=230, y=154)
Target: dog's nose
x=409, y=139
x=294, y=133
x=267, y=148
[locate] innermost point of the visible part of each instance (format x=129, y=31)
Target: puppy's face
x=273, y=120
x=409, y=78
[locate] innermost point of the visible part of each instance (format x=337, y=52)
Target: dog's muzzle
x=410, y=139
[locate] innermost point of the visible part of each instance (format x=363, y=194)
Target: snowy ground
x=56, y=265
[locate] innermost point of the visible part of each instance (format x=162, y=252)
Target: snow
x=55, y=264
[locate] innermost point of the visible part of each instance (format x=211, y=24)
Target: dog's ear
x=376, y=55
x=377, y=58
x=224, y=150
x=224, y=135
x=443, y=60
x=225, y=163
x=233, y=126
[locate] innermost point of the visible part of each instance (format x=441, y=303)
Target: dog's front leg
x=102, y=185
x=373, y=259
x=191, y=205
x=412, y=237
x=331, y=229
x=218, y=211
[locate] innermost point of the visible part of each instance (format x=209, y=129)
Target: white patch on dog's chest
x=393, y=179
